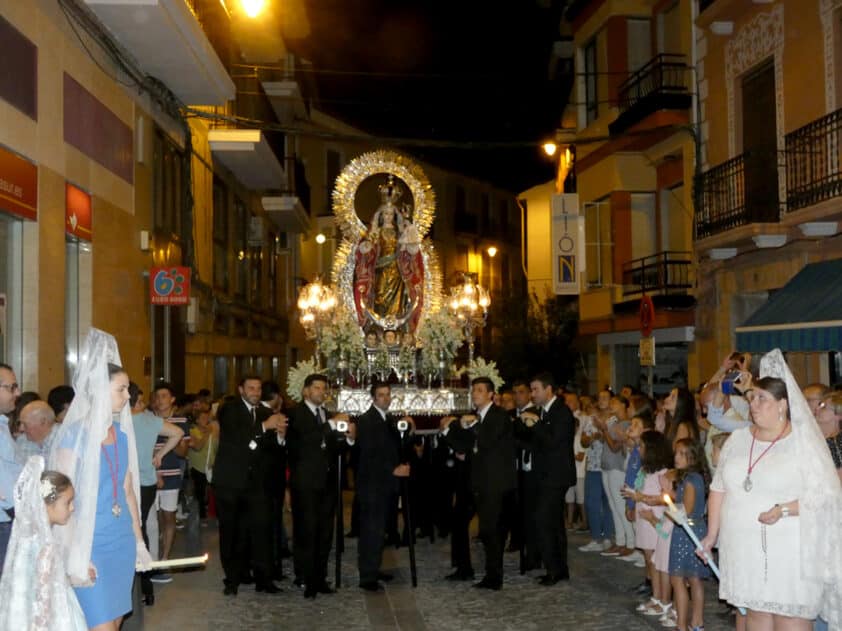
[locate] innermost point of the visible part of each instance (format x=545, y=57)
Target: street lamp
x=321, y=238
x=253, y=8
x=469, y=303
x=316, y=302
x=492, y=251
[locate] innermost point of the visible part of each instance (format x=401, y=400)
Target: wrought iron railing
x=665, y=272
x=741, y=191
x=665, y=74
x=814, y=162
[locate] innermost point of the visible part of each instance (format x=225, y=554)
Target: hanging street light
x=469, y=304
x=316, y=303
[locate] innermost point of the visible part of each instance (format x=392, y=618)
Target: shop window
x=167, y=186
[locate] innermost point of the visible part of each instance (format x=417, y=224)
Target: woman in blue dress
x=96, y=449
x=685, y=566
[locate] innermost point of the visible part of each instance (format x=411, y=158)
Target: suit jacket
x=380, y=451
x=312, y=451
x=551, y=442
x=237, y=466
x=490, y=449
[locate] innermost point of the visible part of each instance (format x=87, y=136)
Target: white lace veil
x=76, y=448
x=820, y=505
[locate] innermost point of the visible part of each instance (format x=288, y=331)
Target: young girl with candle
x=656, y=457
x=685, y=567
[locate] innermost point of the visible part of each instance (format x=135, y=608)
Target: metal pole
x=340, y=522
x=521, y=490
x=167, y=342
x=407, y=517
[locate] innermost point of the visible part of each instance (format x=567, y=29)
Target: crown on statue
x=389, y=192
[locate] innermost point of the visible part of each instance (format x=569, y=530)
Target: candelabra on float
x=469, y=304
x=316, y=303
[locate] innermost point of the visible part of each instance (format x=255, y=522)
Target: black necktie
x=319, y=418
x=254, y=418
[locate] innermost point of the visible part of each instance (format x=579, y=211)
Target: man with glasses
x=815, y=393
x=9, y=468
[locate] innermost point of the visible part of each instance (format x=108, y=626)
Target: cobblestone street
x=596, y=598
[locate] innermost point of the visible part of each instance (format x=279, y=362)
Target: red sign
x=18, y=185
x=647, y=315
x=77, y=212
x=169, y=285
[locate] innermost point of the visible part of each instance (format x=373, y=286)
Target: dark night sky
x=457, y=71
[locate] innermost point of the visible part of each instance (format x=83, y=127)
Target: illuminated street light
x=253, y=8
x=320, y=238
x=492, y=251
x=469, y=304
x=550, y=148
x=316, y=302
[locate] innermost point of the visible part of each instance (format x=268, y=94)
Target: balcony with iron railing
x=738, y=192
x=661, y=84
x=662, y=273
x=814, y=162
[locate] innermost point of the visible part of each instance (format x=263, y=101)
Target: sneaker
x=613, y=551
x=161, y=577
x=641, y=563
x=607, y=543
x=657, y=610
x=633, y=557
x=593, y=546
x=646, y=604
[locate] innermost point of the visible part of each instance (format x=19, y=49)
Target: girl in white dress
x=35, y=592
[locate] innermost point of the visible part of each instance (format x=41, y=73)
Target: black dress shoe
x=298, y=582
x=460, y=575
x=489, y=583
x=230, y=590
x=248, y=579
x=552, y=579
x=371, y=586
x=324, y=588
x=268, y=588
x=310, y=593
x=384, y=576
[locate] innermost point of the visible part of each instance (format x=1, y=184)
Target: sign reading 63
x=169, y=285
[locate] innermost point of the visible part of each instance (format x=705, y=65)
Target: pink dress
x=645, y=536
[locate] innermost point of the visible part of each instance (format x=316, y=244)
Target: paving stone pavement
x=596, y=598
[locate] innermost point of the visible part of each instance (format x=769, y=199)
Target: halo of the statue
x=374, y=163
x=343, y=276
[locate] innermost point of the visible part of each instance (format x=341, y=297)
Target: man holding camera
x=314, y=442
x=381, y=465
x=485, y=439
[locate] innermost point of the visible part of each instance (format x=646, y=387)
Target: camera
x=342, y=426
x=730, y=381
x=403, y=425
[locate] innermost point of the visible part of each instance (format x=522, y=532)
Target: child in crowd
x=638, y=425
x=684, y=565
x=656, y=458
x=35, y=592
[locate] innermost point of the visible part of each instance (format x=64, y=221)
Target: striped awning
x=805, y=315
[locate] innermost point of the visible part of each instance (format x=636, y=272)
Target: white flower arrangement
x=343, y=340
x=439, y=334
x=480, y=368
x=297, y=374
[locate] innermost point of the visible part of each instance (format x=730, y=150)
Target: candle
x=680, y=517
x=184, y=562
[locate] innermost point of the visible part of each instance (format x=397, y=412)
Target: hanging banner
x=77, y=212
x=568, y=240
x=169, y=285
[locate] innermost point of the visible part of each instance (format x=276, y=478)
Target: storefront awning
x=804, y=316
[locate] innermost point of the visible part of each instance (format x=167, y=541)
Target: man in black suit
x=381, y=464
x=248, y=432
x=313, y=448
x=487, y=440
x=527, y=485
x=276, y=482
x=550, y=434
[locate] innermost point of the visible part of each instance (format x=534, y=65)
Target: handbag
x=208, y=467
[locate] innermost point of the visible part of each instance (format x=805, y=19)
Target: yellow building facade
x=630, y=119
x=768, y=196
